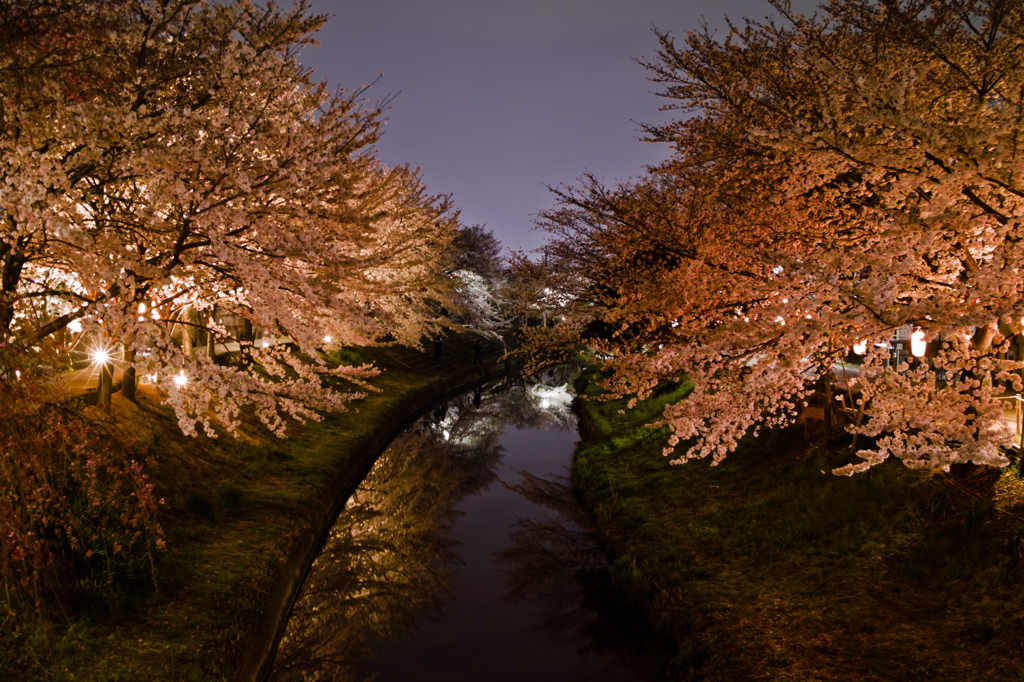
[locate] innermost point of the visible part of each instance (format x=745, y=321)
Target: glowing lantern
x=917, y=343
x=100, y=356
x=180, y=379
x=142, y=309
x=860, y=347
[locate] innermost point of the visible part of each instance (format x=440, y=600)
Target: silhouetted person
x=437, y=352
x=477, y=397
x=478, y=353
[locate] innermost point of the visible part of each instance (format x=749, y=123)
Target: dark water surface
x=461, y=558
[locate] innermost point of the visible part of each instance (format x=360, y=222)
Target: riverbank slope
x=769, y=567
x=241, y=518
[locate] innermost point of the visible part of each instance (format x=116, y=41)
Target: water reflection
x=546, y=555
x=389, y=557
x=386, y=558
x=558, y=563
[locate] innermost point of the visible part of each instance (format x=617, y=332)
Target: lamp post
x=101, y=358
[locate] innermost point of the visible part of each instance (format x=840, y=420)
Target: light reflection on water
x=460, y=556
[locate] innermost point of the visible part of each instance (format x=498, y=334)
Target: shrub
x=76, y=504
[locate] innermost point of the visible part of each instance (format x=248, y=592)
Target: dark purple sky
x=498, y=98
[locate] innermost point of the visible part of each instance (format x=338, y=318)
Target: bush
x=76, y=505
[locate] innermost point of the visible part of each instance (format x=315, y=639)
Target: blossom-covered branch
x=837, y=178
x=173, y=157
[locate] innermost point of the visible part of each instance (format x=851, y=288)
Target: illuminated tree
x=158, y=159
x=840, y=177
x=480, y=278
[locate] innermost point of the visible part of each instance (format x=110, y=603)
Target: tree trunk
x=128, y=380
x=829, y=407
x=106, y=383
x=211, y=341
x=984, y=335
x=188, y=329
x=11, y=264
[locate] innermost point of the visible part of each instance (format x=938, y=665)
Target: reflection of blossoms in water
x=559, y=564
x=470, y=426
x=552, y=405
x=387, y=558
x=474, y=420
x=546, y=556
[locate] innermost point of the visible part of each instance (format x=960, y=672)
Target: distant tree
x=480, y=277
x=840, y=177
x=540, y=296
x=165, y=157
x=477, y=249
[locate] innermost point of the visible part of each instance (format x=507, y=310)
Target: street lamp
x=917, y=343
x=101, y=358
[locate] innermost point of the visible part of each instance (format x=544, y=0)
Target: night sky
x=498, y=98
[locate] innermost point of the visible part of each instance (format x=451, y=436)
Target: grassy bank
x=769, y=567
x=233, y=512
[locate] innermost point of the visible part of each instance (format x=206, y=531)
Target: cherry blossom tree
x=835, y=178
x=160, y=160
x=480, y=278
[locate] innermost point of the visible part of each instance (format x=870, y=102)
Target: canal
x=463, y=556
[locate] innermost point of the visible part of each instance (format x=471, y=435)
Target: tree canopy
x=160, y=158
x=480, y=280
x=834, y=178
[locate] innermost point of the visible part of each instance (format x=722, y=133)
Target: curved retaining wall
x=261, y=646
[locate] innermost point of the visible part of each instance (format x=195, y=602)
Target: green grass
x=766, y=567
x=233, y=511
